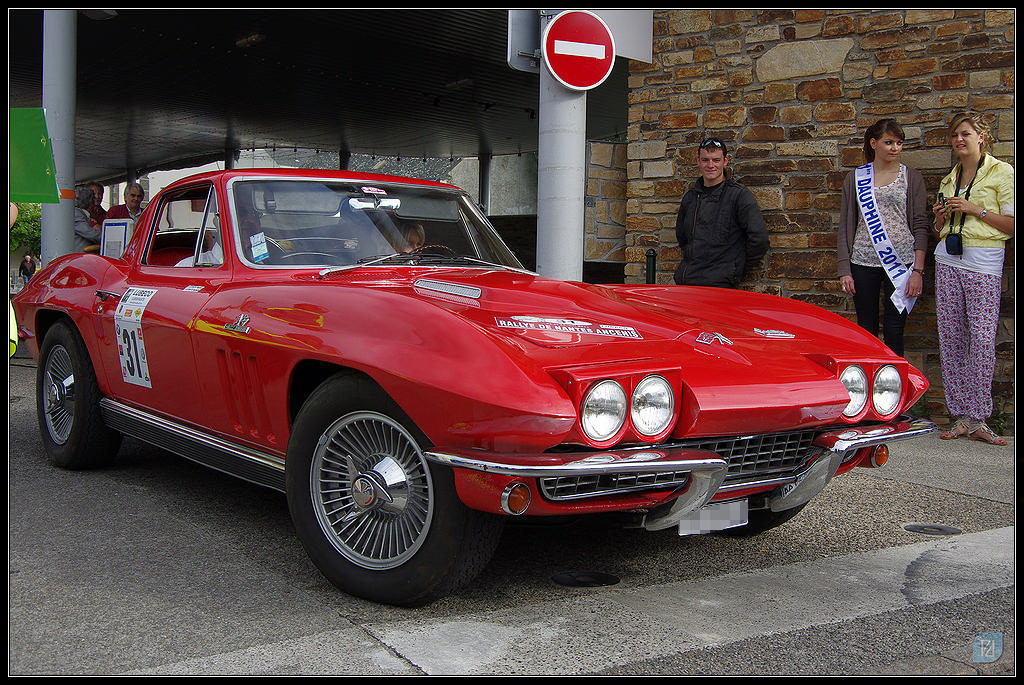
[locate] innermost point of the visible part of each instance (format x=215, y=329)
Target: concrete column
x=484, y=176
x=60, y=37
x=561, y=179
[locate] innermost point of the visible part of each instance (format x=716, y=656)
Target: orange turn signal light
x=879, y=455
x=515, y=499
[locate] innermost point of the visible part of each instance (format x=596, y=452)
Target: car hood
x=564, y=314
x=758, y=359
x=745, y=359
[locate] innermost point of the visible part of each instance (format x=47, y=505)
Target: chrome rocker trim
x=254, y=466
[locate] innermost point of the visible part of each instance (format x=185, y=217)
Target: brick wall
x=605, y=212
x=791, y=91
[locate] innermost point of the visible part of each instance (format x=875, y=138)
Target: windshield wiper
x=422, y=258
x=366, y=261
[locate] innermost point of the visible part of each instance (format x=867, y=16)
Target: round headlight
x=856, y=382
x=653, y=406
x=887, y=390
x=603, y=411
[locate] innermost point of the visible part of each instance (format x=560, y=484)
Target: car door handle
x=104, y=295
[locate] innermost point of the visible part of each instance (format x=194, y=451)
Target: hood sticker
x=558, y=325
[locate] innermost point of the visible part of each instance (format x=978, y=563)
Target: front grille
x=759, y=455
x=577, y=487
x=748, y=457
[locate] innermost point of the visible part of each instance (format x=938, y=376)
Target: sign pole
x=561, y=171
x=578, y=53
x=59, y=81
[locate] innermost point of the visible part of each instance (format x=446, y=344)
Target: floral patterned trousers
x=967, y=307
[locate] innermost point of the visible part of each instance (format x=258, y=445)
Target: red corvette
x=369, y=346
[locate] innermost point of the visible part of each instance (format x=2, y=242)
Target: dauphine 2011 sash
x=894, y=267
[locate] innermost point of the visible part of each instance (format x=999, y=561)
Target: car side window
x=186, y=231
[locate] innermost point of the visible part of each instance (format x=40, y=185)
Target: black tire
x=763, y=520
x=378, y=519
x=68, y=404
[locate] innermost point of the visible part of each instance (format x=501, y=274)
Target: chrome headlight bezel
x=603, y=410
x=855, y=380
x=887, y=390
x=653, y=406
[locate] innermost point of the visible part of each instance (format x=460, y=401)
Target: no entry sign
x=578, y=49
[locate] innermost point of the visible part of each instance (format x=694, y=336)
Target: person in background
x=132, y=207
x=87, y=233
x=898, y=206
x=97, y=212
x=974, y=219
x=27, y=269
x=720, y=230
x=12, y=212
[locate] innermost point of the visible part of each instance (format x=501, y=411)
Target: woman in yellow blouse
x=974, y=219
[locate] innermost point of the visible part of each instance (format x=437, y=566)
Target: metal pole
x=561, y=179
x=59, y=87
x=484, y=177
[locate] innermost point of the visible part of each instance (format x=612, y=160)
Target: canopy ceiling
x=160, y=89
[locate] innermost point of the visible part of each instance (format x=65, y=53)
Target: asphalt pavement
x=156, y=566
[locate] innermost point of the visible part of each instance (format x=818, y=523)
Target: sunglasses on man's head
x=712, y=143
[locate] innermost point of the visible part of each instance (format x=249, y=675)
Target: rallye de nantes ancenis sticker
x=538, y=323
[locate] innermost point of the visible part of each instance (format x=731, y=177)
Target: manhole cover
x=932, y=529
x=585, y=579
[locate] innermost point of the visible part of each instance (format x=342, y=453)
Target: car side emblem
x=239, y=325
x=706, y=338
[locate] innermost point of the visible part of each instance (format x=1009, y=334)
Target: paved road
x=158, y=566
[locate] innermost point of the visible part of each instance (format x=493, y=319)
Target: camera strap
x=967, y=193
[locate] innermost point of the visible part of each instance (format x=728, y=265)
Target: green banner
x=33, y=176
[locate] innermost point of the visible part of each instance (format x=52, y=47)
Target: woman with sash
x=883, y=234
x=974, y=219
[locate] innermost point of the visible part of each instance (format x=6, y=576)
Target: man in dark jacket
x=720, y=229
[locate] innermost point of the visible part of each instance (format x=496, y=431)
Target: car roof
x=298, y=174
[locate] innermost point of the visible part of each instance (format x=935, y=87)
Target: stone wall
x=791, y=92
x=605, y=212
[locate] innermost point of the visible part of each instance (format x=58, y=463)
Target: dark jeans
x=869, y=281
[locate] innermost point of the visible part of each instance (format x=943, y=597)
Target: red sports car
x=369, y=346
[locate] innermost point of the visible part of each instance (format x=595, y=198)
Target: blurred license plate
x=717, y=516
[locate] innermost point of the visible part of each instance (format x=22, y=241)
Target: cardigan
x=849, y=214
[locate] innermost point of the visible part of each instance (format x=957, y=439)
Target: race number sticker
x=131, y=348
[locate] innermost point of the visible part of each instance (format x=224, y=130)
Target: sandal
x=958, y=429
x=982, y=433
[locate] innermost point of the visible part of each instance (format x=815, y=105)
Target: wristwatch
x=983, y=214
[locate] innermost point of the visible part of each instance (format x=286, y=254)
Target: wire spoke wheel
x=59, y=394
x=371, y=491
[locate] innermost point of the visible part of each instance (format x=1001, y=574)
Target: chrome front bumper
x=706, y=471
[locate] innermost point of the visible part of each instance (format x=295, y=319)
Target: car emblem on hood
x=706, y=338
x=772, y=333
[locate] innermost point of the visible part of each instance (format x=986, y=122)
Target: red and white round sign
x=578, y=49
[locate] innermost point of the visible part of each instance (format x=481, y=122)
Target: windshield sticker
x=131, y=347
x=557, y=325
x=375, y=191
x=259, y=247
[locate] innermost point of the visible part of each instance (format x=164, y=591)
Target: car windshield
x=305, y=223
